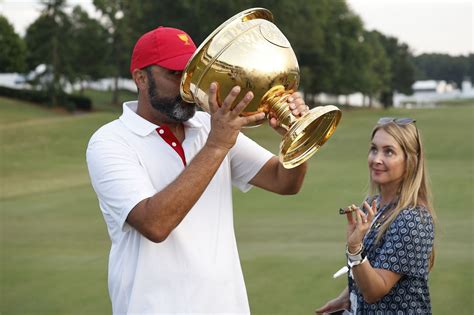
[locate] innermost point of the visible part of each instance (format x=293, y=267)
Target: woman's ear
x=140, y=78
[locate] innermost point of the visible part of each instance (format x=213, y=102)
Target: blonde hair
x=415, y=188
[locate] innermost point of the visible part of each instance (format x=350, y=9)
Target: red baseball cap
x=167, y=47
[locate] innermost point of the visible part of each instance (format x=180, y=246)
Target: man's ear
x=140, y=78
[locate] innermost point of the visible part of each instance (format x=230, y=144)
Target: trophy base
x=307, y=134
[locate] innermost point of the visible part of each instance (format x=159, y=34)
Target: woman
x=390, y=240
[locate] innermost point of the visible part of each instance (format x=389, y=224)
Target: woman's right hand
x=358, y=223
x=338, y=304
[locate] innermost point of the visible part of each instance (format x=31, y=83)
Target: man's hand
x=225, y=121
x=298, y=108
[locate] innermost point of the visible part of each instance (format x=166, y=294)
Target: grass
x=457, y=102
x=102, y=100
x=54, y=243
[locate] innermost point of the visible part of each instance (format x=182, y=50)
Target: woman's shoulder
x=416, y=214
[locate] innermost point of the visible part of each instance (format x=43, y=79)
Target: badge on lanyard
x=353, y=299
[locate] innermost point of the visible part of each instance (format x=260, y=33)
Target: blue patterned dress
x=405, y=249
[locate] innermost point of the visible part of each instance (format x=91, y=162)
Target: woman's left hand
x=358, y=223
x=297, y=107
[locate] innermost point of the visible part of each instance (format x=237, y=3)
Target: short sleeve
x=247, y=158
x=118, y=178
x=407, y=244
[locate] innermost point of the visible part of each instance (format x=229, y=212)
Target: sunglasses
x=399, y=121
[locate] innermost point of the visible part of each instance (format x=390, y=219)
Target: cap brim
x=176, y=63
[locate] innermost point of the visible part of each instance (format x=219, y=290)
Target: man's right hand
x=226, y=121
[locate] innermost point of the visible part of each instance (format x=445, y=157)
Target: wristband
x=354, y=259
x=352, y=264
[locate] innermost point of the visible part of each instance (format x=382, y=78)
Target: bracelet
x=358, y=251
x=354, y=259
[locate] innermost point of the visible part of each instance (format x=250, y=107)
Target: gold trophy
x=250, y=51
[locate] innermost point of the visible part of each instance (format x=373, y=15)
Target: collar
x=140, y=125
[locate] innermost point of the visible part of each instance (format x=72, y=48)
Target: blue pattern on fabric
x=405, y=248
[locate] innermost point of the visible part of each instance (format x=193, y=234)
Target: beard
x=175, y=109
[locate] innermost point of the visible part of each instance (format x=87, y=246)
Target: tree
x=324, y=37
x=118, y=15
x=317, y=30
x=334, y=53
x=375, y=75
x=470, y=71
x=12, y=48
x=442, y=67
x=402, y=69
x=48, y=43
x=87, y=61
x=197, y=18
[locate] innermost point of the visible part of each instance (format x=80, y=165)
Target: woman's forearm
x=374, y=283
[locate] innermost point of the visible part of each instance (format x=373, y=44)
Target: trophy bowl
x=248, y=50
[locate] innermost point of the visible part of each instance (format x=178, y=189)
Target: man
x=163, y=174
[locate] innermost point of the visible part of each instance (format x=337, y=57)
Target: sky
x=427, y=26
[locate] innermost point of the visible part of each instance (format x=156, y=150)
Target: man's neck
x=177, y=130
x=159, y=119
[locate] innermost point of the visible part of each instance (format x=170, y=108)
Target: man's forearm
x=275, y=178
x=292, y=178
x=158, y=215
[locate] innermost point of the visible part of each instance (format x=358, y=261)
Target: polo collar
x=140, y=125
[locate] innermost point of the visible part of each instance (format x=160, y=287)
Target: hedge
x=68, y=101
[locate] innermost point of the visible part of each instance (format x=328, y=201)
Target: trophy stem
x=276, y=104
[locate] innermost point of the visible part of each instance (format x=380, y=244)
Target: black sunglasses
x=399, y=121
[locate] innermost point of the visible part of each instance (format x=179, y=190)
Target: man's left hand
x=298, y=108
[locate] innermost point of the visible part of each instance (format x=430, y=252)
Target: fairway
x=54, y=242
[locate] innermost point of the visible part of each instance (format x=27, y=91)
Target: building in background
x=428, y=93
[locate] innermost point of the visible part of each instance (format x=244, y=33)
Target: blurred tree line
x=336, y=54
x=444, y=67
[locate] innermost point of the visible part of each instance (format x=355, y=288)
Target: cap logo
x=184, y=38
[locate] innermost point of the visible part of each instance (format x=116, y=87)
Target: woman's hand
x=358, y=223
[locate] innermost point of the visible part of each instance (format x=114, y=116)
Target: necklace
x=383, y=212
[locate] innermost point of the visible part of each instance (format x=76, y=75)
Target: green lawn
x=54, y=243
x=102, y=100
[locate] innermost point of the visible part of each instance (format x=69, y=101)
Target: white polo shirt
x=196, y=270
